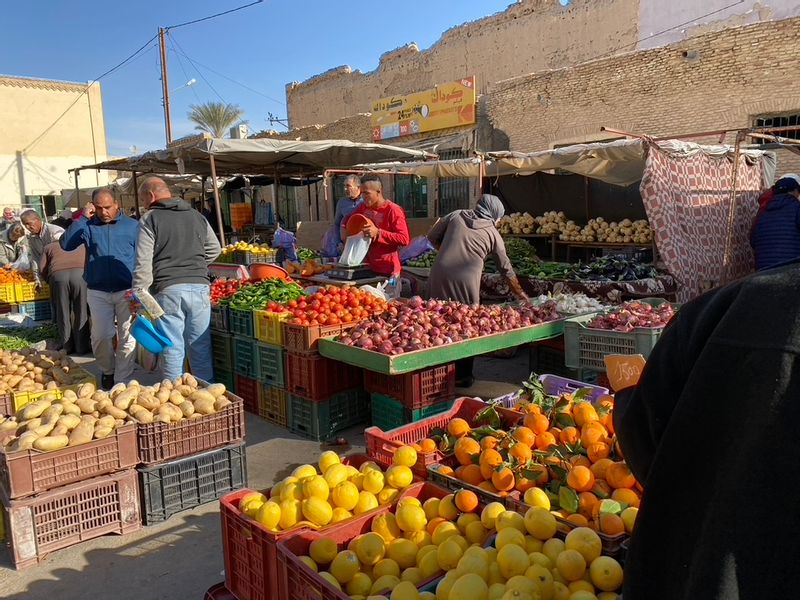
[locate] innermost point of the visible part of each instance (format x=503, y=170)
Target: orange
x=503, y=479
x=488, y=486
x=611, y=524
x=466, y=501
x=605, y=402
x=569, y=435
x=427, y=446
x=465, y=449
x=523, y=483
x=445, y=470
x=460, y=471
x=584, y=412
x=586, y=504
x=471, y=474
x=458, y=427
x=540, y=474
x=524, y=435
x=577, y=519
x=489, y=460
x=580, y=478
x=598, y=451
x=600, y=467
x=536, y=423
x=556, y=432
x=626, y=495
x=593, y=432
x=601, y=488
x=520, y=451
x=619, y=475
x=545, y=440
x=489, y=442
x=433, y=523
x=579, y=460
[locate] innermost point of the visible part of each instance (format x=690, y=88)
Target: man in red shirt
x=389, y=230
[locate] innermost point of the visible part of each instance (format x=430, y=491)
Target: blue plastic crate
x=38, y=311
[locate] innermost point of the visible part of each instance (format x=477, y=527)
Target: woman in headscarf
x=464, y=239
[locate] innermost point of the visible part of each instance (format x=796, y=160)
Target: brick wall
x=715, y=81
x=529, y=36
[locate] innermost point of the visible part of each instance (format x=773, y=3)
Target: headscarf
x=487, y=211
x=788, y=183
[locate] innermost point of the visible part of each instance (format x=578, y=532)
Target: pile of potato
x=77, y=418
x=600, y=230
x=32, y=370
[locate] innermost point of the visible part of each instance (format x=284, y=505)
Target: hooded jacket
x=110, y=251
x=175, y=245
x=775, y=237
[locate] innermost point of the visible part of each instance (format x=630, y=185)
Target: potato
x=221, y=403
x=31, y=424
x=163, y=394
x=35, y=409
x=165, y=384
x=147, y=401
x=14, y=380
x=202, y=395
x=83, y=433
x=72, y=396
x=50, y=443
x=161, y=419
x=115, y=412
x=100, y=395
x=185, y=390
x=24, y=441
x=51, y=385
x=216, y=389
x=117, y=390
x=68, y=421
x=204, y=406
x=87, y=389
x=44, y=429
x=87, y=405
x=187, y=408
x=70, y=408
x=9, y=425
x=52, y=413
x=124, y=399
x=107, y=421
x=189, y=380
x=196, y=415
x=102, y=432
x=145, y=417
x=60, y=430
x=176, y=398
x=173, y=412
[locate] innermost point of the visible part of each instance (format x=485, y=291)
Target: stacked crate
x=27, y=299
x=273, y=396
x=244, y=358
x=325, y=396
x=222, y=346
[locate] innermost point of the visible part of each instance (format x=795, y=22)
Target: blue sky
x=264, y=47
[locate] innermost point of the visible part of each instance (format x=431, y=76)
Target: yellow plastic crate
x=22, y=399
x=27, y=292
x=269, y=326
x=7, y=293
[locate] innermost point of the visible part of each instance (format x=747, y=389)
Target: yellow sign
x=623, y=370
x=447, y=105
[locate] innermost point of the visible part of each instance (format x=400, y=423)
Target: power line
x=227, y=12
x=85, y=90
x=203, y=77
x=185, y=74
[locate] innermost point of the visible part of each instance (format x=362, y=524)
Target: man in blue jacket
x=110, y=240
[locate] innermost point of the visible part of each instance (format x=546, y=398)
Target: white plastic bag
x=23, y=263
x=375, y=291
x=355, y=250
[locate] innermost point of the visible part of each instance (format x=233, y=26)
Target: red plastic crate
x=248, y=390
x=317, y=378
x=415, y=390
x=303, y=338
x=381, y=445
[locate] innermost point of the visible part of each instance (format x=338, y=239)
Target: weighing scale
x=346, y=273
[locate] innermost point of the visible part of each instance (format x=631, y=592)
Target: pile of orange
x=8, y=276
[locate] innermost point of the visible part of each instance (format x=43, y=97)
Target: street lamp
x=189, y=83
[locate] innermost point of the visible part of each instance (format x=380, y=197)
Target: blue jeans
x=186, y=320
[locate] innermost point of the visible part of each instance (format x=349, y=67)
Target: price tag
x=624, y=370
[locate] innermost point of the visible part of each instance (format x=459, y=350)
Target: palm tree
x=215, y=117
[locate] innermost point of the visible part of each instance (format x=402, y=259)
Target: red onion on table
x=419, y=324
x=632, y=315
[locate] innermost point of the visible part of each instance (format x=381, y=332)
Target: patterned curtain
x=701, y=230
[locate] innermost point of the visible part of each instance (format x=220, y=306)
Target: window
x=453, y=191
x=776, y=122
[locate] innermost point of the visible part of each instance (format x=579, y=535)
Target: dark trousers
x=464, y=368
x=70, y=310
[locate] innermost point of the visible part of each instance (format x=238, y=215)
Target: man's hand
x=371, y=231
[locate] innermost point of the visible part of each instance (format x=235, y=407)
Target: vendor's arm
x=504, y=266
x=395, y=232
x=143, y=264
x=44, y=262
x=76, y=234
x=212, y=247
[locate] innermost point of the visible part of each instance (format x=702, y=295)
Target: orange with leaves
x=580, y=479
x=544, y=440
x=600, y=467
x=427, y=446
x=537, y=423
x=465, y=449
x=569, y=435
x=619, y=475
x=598, y=451
x=627, y=496
x=584, y=412
x=458, y=427
x=445, y=470
x=586, y=504
x=488, y=486
x=523, y=435
x=579, y=460
x=578, y=520
x=489, y=442
x=489, y=460
x=601, y=488
x=593, y=432
x=538, y=473
x=521, y=452
x=503, y=479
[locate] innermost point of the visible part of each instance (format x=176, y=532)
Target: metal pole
x=77, y=191
x=726, y=261
x=136, y=197
x=216, y=199
x=165, y=83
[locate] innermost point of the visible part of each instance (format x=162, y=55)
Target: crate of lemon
x=312, y=498
x=447, y=546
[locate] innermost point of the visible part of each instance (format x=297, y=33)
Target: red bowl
x=356, y=223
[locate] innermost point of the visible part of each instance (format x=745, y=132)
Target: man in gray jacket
x=173, y=250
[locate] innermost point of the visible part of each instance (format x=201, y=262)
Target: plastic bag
x=418, y=246
x=286, y=241
x=330, y=243
x=23, y=263
x=355, y=250
x=375, y=291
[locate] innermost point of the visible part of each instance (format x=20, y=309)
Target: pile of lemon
x=335, y=493
x=246, y=247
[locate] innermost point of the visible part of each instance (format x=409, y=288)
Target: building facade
x=46, y=128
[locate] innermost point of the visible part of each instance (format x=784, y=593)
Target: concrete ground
x=182, y=557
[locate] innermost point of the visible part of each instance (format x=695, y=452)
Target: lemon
x=344, y=566
x=403, y=552
x=431, y=508
x=411, y=517
x=537, y=497
x=443, y=530
x=429, y=563
x=540, y=523
x=319, y=512
x=366, y=502
x=351, y=471
x=448, y=554
x=309, y=562
x=373, y=481
x=552, y=548
x=509, y=536
x=512, y=560
x=495, y=576
x=370, y=548
x=469, y=587
x=331, y=580
x=292, y=490
x=605, y=573
x=275, y=491
x=447, y=508
x=358, y=480
x=460, y=540
x=510, y=518
x=537, y=558
x=409, y=500
x=384, y=584
x=326, y=459
x=489, y=514
x=628, y=517
x=476, y=533
x=269, y=514
x=427, y=596
x=522, y=584
x=304, y=471
x=465, y=519
x=399, y=476
x=412, y=574
x=496, y=591
x=386, y=566
x=405, y=456
x=345, y=495
x=369, y=465
x=586, y=541
x=474, y=560
x=252, y=506
x=543, y=577
x=335, y=474
x=315, y=487
x=532, y=544
x=560, y=591
x=420, y=538
x=444, y=586
x=571, y=565
x=386, y=527
x=359, y=585
x=322, y=551
x=291, y=513
x=388, y=495
x=405, y=590
x=340, y=514
x=255, y=497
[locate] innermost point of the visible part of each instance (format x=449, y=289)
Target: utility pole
x=162, y=33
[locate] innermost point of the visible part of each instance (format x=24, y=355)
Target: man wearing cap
x=775, y=236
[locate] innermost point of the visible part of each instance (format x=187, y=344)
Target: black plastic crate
x=270, y=364
x=219, y=318
x=245, y=357
x=189, y=482
x=222, y=351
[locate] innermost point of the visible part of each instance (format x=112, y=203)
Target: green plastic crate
x=245, y=357
x=270, y=364
x=219, y=318
x=226, y=378
x=240, y=322
x=222, y=351
x=321, y=420
x=388, y=413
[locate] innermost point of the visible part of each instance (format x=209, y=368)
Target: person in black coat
x=712, y=430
